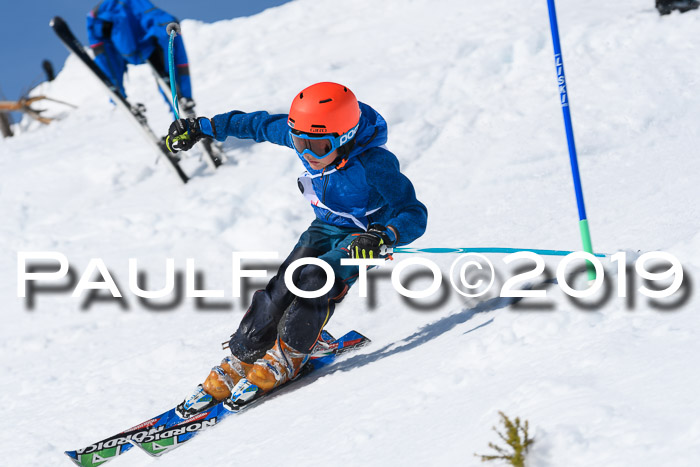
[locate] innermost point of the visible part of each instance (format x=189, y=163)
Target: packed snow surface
x=469, y=92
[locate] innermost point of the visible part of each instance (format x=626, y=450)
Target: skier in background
x=362, y=203
x=134, y=31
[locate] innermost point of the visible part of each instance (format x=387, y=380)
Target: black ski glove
x=183, y=134
x=369, y=244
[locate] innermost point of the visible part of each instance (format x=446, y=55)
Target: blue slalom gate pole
x=173, y=29
x=561, y=80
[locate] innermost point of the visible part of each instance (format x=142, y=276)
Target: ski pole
x=173, y=30
x=561, y=80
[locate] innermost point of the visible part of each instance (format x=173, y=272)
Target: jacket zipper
x=323, y=193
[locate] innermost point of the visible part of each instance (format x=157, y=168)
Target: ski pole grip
x=173, y=27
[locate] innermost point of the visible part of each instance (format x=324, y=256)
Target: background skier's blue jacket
x=128, y=31
x=370, y=179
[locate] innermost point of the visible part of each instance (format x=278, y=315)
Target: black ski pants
x=298, y=321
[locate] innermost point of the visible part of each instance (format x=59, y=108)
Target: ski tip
x=73, y=455
x=56, y=20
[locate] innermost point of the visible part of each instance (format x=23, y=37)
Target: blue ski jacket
x=367, y=187
x=130, y=31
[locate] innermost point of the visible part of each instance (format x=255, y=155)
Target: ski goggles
x=320, y=146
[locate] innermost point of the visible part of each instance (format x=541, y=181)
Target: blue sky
x=26, y=39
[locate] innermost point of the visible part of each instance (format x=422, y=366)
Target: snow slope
x=469, y=92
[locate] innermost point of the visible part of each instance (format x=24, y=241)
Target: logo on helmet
x=349, y=135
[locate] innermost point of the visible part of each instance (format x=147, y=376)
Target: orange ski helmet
x=324, y=108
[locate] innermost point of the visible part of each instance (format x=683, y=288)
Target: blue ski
x=177, y=430
x=168, y=430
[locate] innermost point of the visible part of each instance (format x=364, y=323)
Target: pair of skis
x=167, y=431
x=135, y=113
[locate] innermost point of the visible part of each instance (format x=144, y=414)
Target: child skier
x=361, y=200
x=134, y=31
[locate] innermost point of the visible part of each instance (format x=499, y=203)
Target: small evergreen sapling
x=516, y=436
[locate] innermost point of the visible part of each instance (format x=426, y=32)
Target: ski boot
x=196, y=403
x=280, y=364
x=216, y=387
x=243, y=393
x=224, y=377
x=246, y=390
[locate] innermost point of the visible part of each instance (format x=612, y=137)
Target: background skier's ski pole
x=173, y=30
x=561, y=79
